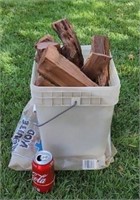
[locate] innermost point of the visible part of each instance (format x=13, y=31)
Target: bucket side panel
x=79, y=132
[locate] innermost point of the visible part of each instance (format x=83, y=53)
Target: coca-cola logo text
x=38, y=178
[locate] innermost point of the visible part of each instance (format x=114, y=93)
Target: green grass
x=23, y=23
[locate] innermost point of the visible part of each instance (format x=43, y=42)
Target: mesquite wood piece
x=71, y=48
x=95, y=68
x=41, y=81
x=100, y=44
x=60, y=71
x=97, y=64
x=45, y=38
x=42, y=44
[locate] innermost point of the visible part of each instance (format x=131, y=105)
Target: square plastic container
x=81, y=134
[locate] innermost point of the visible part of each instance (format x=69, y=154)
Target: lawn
x=23, y=23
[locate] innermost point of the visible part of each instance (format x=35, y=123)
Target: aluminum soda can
x=43, y=176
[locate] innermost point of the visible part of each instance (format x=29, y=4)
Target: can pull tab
x=44, y=157
x=73, y=105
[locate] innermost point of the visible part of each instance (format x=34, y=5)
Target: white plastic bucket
x=83, y=131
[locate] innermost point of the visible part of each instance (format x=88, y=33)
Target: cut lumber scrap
x=42, y=44
x=41, y=81
x=71, y=48
x=95, y=68
x=60, y=71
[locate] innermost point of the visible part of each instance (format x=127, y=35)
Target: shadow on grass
x=25, y=22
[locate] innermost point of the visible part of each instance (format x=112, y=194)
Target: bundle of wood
x=63, y=65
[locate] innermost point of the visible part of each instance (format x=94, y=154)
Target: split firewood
x=100, y=44
x=42, y=44
x=60, y=71
x=46, y=38
x=96, y=66
x=41, y=81
x=71, y=48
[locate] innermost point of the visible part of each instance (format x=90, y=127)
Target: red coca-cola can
x=43, y=172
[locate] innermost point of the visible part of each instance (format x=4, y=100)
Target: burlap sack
x=26, y=140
